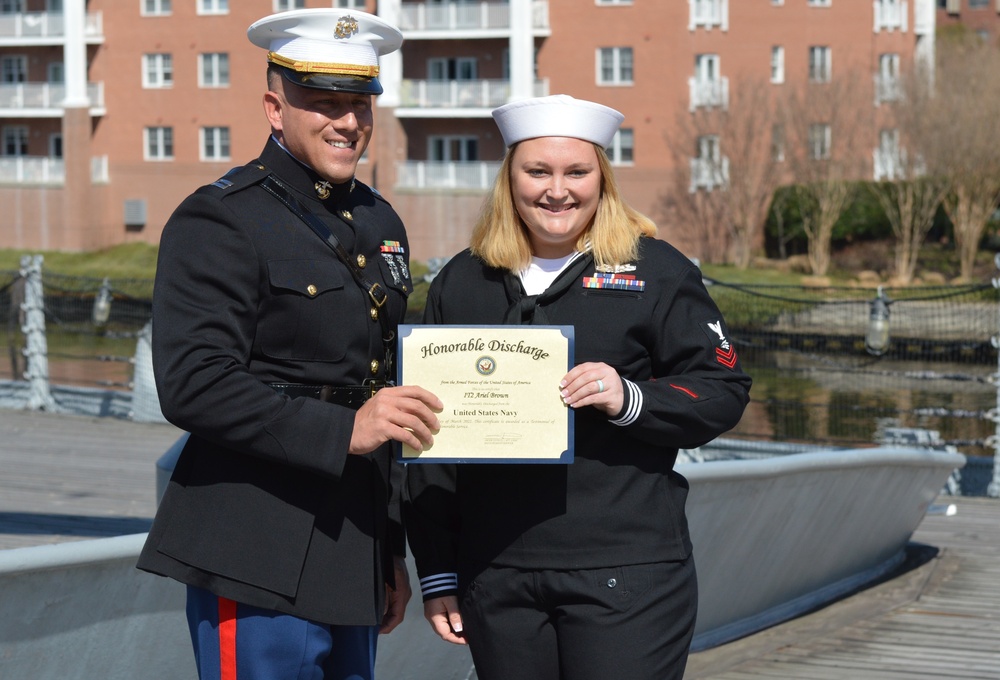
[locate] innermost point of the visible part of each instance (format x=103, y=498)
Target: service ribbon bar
x=391, y=247
x=614, y=282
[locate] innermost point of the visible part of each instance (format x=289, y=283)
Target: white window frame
x=13, y=6
x=158, y=143
x=157, y=71
x=622, y=149
x=778, y=3
x=820, y=64
x=349, y=4
x=888, y=85
x=215, y=143
x=888, y=156
x=820, y=141
x=13, y=68
x=609, y=3
x=777, y=64
x=709, y=168
x=441, y=148
x=212, y=7
x=155, y=8
x=820, y=3
x=708, y=13
x=14, y=136
x=707, y=86
x=891, y=15
x=213, y=69
x=619, y=69
x=285, y=5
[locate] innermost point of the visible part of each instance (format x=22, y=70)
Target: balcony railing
x=32, y=170
x=461, y=93
x=924, y=16
x=48, y=96
x=421, y=16
x=890, y=15
x=46, y=170
x=477, y=175
x=709, y=93
x=45, y=25
x=708, y=174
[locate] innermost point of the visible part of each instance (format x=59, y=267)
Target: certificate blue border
x=569, y=332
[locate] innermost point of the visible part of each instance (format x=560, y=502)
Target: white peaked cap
x=558, y=115
x=327, y=48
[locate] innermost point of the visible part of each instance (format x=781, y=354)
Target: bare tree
x=908, y=193
x=964, y=113
x=828, y=143
x=727, y=173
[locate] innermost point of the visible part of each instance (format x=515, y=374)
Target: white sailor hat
x=327, y=49
x=558, y=115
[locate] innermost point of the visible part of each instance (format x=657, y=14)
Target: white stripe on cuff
x=438, y=582
x=634, y=408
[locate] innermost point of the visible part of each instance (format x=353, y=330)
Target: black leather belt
x=353, y=396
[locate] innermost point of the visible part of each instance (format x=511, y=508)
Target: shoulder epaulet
x=241, y=177
x=372, y=190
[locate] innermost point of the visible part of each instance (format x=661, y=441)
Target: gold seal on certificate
x=500, y=390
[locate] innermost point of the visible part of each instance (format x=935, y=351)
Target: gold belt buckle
x=375, y=385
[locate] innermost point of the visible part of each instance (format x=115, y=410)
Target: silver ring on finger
x=600, y=385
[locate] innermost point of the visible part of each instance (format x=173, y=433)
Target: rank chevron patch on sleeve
x=725, y=353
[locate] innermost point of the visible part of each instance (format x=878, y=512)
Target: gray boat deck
x=70, y=478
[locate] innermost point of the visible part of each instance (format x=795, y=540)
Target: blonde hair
x=500, y=238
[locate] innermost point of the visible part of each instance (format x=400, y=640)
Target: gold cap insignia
x=346, y=27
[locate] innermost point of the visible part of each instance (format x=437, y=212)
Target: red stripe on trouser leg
x=227, y=639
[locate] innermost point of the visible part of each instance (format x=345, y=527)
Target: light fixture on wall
x=877, y=337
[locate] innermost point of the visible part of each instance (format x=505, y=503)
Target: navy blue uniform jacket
x=620, y=501
x=265, y=506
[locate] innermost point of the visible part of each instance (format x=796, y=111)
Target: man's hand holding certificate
x=500, y=389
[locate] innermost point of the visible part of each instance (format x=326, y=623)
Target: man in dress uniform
x=278, y=292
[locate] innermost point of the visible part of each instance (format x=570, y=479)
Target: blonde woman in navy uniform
x=581, y=571
x=278, y=291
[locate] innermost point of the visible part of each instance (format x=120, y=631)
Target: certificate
x=500, y=390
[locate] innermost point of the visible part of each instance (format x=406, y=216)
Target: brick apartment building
x=111, y=111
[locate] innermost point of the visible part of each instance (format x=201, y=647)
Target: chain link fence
x=839, y=366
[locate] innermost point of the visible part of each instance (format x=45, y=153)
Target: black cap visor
x=336, y=83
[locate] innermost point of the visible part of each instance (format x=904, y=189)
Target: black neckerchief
x=528, y=310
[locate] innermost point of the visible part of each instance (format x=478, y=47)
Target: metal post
x=993, y=489
x=36, y=350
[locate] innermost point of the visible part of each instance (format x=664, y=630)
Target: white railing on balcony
x=31, y=170
x=44, y=95
x=709, y=93
x=924, y=16
x=460, y=93
x=446, y=175
x=708, y=174
x=45, y=25
x=888, y=89
x=422, y=16
x=890, y=15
